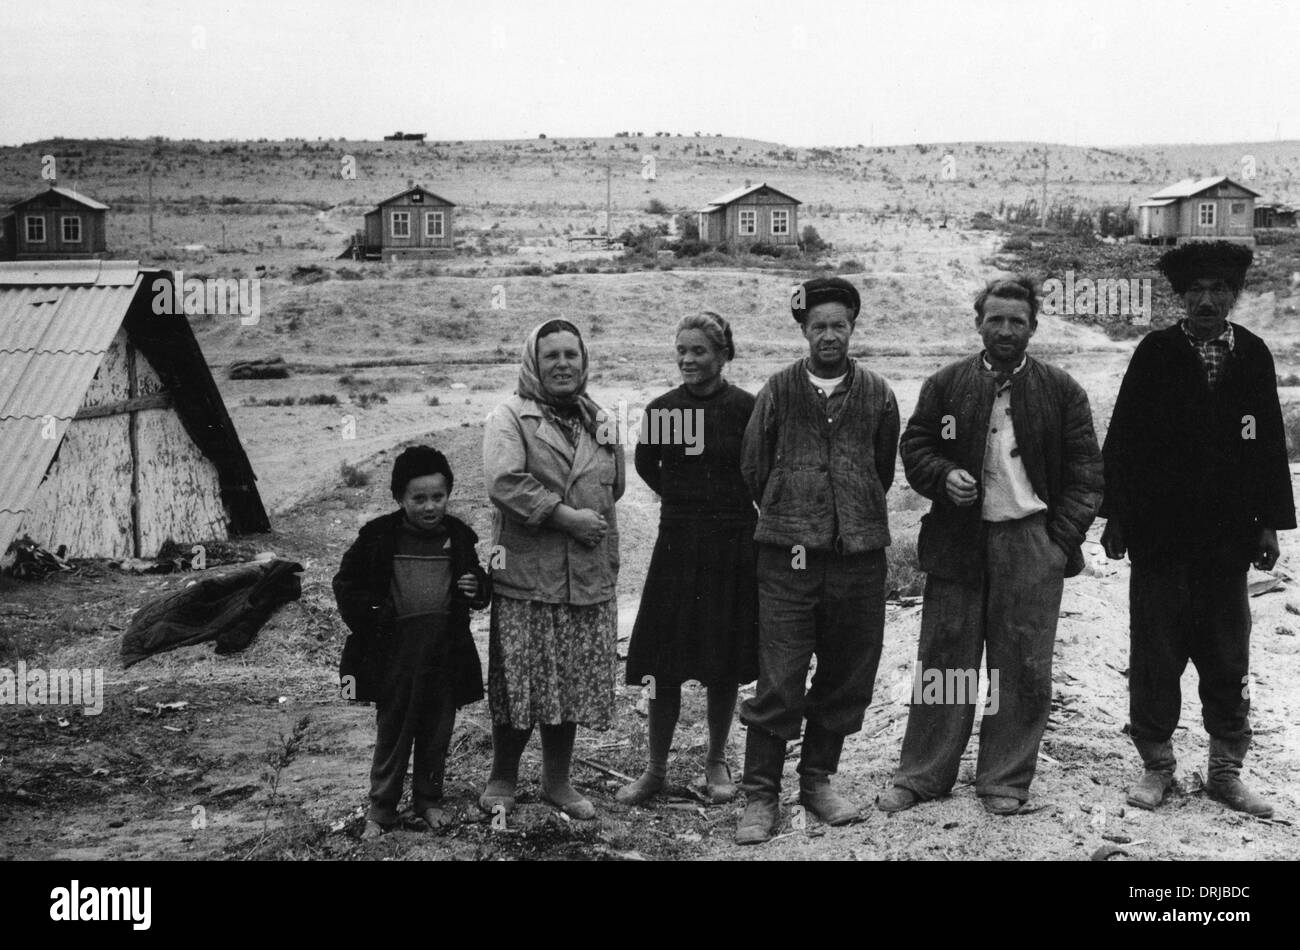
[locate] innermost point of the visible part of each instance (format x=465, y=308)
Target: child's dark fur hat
x=1199, y=259
x=418, y=461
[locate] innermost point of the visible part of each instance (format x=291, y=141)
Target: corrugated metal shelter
x=58, y=223
x=411, y=223
x=115, y=436
x=750, y=215
x=1204, y=209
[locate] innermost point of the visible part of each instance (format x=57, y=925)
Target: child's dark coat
x=362, y=588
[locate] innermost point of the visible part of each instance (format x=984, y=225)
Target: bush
x=353, y=477
x=1017, y=244
x=690, y=248
x=366, y=400
x=1291, y=420
x=764, y=249
x=811, y=241
x=655, y=206
x=904, y=577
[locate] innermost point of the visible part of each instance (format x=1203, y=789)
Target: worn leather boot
x=1158, y=763
x=1224, y=784
x=764, y=762
x=818, y=761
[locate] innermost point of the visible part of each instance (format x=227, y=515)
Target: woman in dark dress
x=699, y=610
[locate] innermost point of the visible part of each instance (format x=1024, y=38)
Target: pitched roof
x=57, y=320
x=90, y=203
x=1194, y=186
x=736, y=194
x=408, y=191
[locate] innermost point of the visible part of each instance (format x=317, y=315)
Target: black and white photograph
x=752, y=432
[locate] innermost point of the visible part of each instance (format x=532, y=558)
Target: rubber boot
x=1224, y=783
x=1158, y=763
x=818, y=761
x=764, y=762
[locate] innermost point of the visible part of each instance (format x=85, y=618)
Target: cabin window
x=433, y=224
x=748, y=221
x=71, y=229
x=35, y=225
x=1239, y=207
x=401, y=224
x=1205, y=214
x=780, y=222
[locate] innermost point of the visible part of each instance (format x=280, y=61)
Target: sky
x=815, y=73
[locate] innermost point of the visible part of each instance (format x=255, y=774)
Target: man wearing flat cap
x=818, y=457
x=1197, y=487
x=1003, y=445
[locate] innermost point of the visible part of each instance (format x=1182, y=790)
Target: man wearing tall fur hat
x=1197, y=487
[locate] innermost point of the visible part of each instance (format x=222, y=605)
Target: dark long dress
x=698, y=618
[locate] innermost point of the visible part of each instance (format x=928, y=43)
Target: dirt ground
x=197, y=756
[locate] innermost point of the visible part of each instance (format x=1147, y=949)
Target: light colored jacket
x=530, y=468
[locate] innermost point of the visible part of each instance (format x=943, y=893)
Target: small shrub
x=431, y=400
x=811, y=241
x=353, y=477
x=1017, y=244
x=904, y=577
x=320, y=399
x=372, y=398
x=655, y=206
x=1291, y=421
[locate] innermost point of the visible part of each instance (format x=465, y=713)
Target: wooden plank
x=134, y=442
x=179, y=487
x=155, y=401
x=85, y=499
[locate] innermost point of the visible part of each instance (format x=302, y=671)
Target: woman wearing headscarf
x=699, y=610
x=553, y=474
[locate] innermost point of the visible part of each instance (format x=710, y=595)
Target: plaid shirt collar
x=1226, y=336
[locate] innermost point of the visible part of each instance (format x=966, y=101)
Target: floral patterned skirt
x=552, y=663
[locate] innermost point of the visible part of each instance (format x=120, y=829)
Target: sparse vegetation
x=353, y=477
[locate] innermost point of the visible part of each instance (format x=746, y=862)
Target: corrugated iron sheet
x=57, y=319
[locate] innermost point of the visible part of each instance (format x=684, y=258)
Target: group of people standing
x=771, y=551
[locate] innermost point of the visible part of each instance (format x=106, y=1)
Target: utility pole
x=152, y=157
x=1042, y=211
x=609, y=172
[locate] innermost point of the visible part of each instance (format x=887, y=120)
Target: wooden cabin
x=750, y=215
x=116, y=436
x=57, y=224
x=1205, y=209
x=414, y=223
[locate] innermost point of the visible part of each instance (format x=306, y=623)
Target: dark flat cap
x=824, y=290
x=1199, y=259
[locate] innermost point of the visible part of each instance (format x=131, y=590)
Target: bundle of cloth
x=228, y=607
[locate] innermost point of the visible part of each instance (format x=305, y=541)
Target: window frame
x=442, y=224
x=1201, y=208
x=753, y=222
x=28, y=219
x=785, y=217
x=405, y=217
x=63, y=229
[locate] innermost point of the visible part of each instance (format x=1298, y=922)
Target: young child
x=405, y=590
